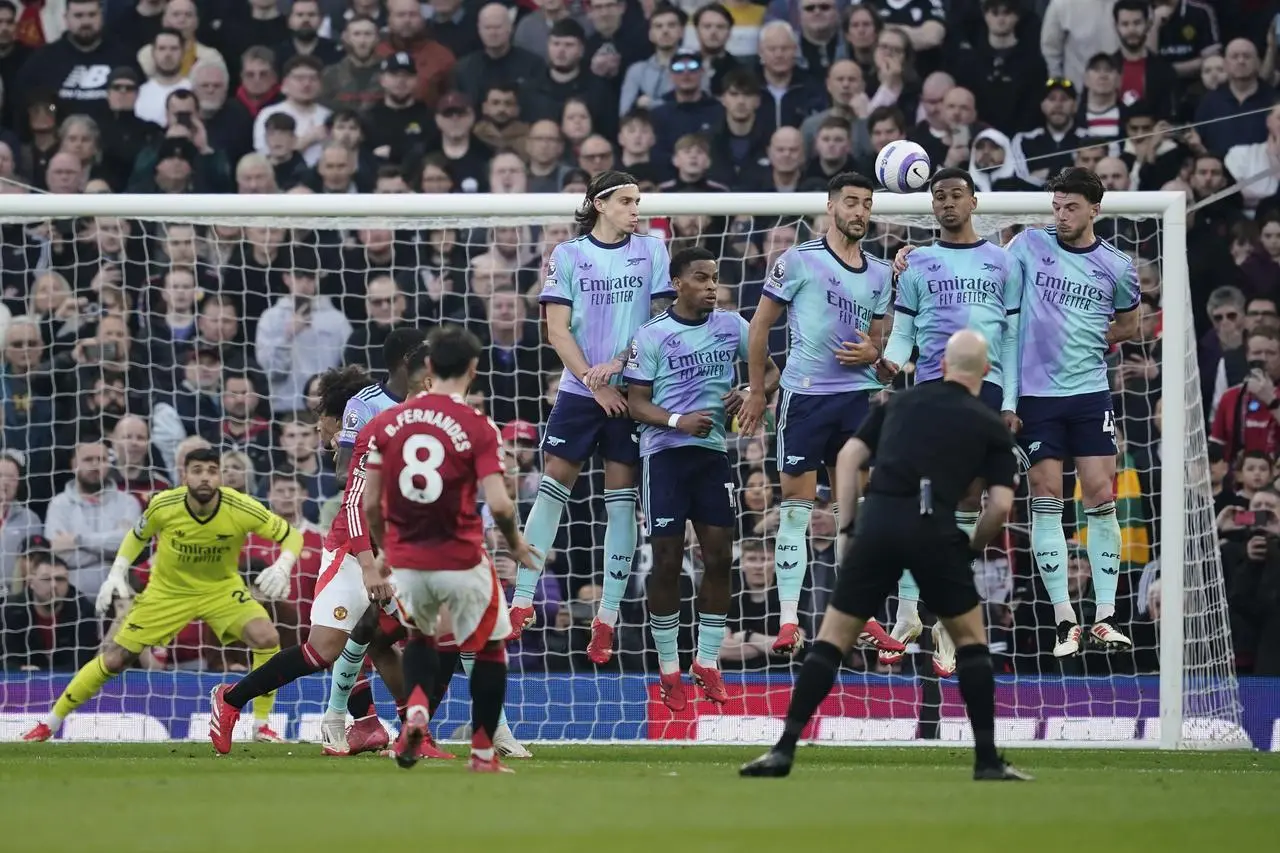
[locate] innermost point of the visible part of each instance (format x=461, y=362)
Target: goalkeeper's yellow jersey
x=194, y=554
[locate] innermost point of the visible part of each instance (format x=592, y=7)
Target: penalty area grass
x=175, y=798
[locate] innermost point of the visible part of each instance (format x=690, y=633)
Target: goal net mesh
x=143, y=335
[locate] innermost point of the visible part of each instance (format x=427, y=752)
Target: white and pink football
x=903, y=166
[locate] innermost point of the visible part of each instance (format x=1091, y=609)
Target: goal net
x=138, y=324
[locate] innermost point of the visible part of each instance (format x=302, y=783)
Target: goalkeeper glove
x=273, y=581
x=116, y=584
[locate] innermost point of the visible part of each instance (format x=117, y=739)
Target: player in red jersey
x=335, y=612
x=427, y=460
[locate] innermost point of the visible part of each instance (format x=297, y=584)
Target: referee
x=931, y=444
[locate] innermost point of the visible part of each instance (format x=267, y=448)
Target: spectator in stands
x=123, y=133
x=1099, y=112
x=595, y=155
x=185, y=138
x=241, y=429
x=566, y=76
x=20, y=523
x=785, y=165
x=228, y=123
x=285, y=496
x=87, y=520
x=1047, y=149
x=753, y=612
x=259, y=82
x=513, y=360
x=1221, y=350
x=264, y=27
x=166, y=76
x=1246, y=418
x=1073, y=31
x=299, y=453
x=1252, y=474
x=832, y=150
x=648, y=81
x=714, y=25
x=788, y=95
x=183, y=17
x=498, y=62
x=51, y=627
x=466, y=156
x=134, y=468
x=1004, y=72
x=433, y=61
x=400, y=125
x=500, y=127
x=1144, y=75
x=304, y=35
x=302, y=334
x=336, y=170
x=352, y=81
x=1251, y=574
x=847, y=93
x=1235, y=113
x=301, y=90
x=1185, y=35
x=385, y=310
x=533, y=29
x=546, y=156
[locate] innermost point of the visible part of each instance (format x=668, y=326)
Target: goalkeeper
x=200, y=530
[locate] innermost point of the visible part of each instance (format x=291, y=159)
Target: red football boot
x=711, y=682
x=487, y=765
x=671, y=691
x=521, y=618
x=874, y=634
x=789, y=640
x=222, y=719
x=40, y=733
x=366, y=735
x=413, y=731
x=600, y=649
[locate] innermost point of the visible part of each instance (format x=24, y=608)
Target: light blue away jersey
x=361, y=409
x=947, y=287
x=827, y=300
x=690, y=365
x=1068, y=298
x=608, y=286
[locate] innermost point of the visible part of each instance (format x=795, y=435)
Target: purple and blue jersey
x=827, y=300
x=609, y=288
x=948, y=287
x=1069, y=296
x=690, y=366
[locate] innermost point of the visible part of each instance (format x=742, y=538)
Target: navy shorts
x=813, y=427
x=682, y=484
x=578, y=429
x=1067, y=427
x=991, y=394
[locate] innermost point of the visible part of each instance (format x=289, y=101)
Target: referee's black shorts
x=890, y=536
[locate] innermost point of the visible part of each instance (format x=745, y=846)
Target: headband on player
x=606, y=193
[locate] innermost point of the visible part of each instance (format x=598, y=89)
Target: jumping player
x=1078, y=299
x=200, y=528
x=426, y=461
x=680, y=390
x=598, y=291
x=836, y=297
x=959, y=282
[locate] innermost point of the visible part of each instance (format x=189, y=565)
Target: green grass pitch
x=174, y=798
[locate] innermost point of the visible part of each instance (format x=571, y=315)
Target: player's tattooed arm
x=342, y=464
x=1124, y=327
x=659, y=304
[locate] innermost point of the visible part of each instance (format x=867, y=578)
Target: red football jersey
x=433, y=451
x=348, y=525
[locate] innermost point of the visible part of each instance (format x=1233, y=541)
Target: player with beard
x=200, y=530
x=836, y=297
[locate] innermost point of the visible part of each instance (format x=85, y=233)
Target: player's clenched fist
x=697, y=424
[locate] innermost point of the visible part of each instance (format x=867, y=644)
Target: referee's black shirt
x=940, y=432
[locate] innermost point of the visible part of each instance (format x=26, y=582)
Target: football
x=903, y=166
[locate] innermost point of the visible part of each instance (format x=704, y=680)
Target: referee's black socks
x=978, y=687
x=812, y=686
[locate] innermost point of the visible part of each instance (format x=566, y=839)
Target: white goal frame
x=1169, y=207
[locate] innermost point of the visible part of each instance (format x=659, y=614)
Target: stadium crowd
x=126, y=343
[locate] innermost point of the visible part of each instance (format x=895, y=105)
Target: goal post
x=1199, y=703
